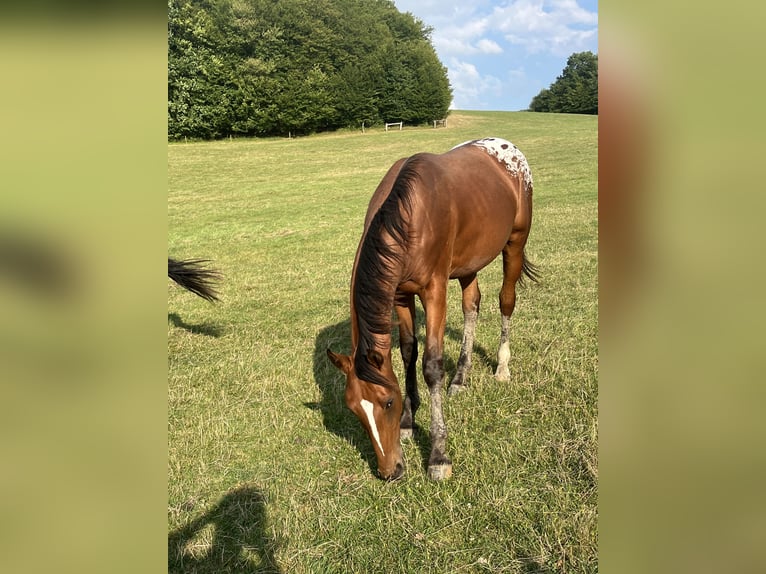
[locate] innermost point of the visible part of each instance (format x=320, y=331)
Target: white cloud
x=432, y=11
x=486, y=46
x=468, y=85
x=500, y=53
x=557, y=26
x=454, y=45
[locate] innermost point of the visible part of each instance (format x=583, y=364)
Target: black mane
x=378, y=270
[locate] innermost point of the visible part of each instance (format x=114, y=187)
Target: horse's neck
x=382, y=340
x=354, y=326
x=374, y=281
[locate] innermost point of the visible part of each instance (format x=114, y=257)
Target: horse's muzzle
x=398, y=472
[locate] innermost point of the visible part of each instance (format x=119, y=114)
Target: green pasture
x=268, y=471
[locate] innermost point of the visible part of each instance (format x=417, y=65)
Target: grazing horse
x=190, y=275
x=432, y=218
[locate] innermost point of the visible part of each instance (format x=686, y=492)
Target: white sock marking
x=504, y=355
x=368, y=407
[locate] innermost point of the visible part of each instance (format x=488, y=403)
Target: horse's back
x=505, y=154
x=469, y=205
x=472, y=200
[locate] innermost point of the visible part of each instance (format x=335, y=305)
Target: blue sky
x=500, y=53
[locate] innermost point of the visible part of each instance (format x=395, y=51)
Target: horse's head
x=379, y=408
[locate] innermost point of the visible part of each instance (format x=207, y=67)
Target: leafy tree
x=262, y=67
x=542, y=101
x=575, y=91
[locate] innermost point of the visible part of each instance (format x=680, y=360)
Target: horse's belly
x=471, y=265
x=473, y=251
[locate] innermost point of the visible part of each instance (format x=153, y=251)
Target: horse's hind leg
x=513, y=261
x=408, y=344
x=471, y=300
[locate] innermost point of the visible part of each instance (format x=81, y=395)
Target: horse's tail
x=190, y=274
x=528, y=270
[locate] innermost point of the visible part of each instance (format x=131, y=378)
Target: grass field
x=269, y=472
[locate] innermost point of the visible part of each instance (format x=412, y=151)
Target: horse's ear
x=342, y=362
x=375, y=358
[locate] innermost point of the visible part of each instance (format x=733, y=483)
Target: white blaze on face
x=368, y=407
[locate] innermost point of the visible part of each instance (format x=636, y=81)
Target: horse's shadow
x=207, y=329
x=239, y=545
x=337, y=418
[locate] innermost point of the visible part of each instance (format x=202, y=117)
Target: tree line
x=267, y=67
x=575, y=91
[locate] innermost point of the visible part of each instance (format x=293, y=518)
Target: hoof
x=502, y=374
x=405, y=434
x=439, y=471
x=455, y=389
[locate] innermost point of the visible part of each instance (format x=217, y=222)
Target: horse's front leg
x=408, y=344
x=435, y=303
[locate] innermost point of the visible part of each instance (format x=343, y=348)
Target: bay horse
x=193, y=276
x=431, y=219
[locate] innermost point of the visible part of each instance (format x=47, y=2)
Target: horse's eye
x=389, y=403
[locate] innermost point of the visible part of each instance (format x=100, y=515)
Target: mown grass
x=269, y=472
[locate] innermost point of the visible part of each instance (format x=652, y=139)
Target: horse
x=432, y=218
x=191, y=275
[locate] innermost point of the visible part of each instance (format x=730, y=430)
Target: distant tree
x=575, y=91
x=259, y=67
x=542, y=101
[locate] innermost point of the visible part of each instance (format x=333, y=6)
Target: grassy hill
x=269, y=472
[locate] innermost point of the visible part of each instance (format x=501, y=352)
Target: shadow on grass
x=456, y=334
x=206, y=329
x=479, y=352
x=239, y=545
x=532, y=566
x=337, y=418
